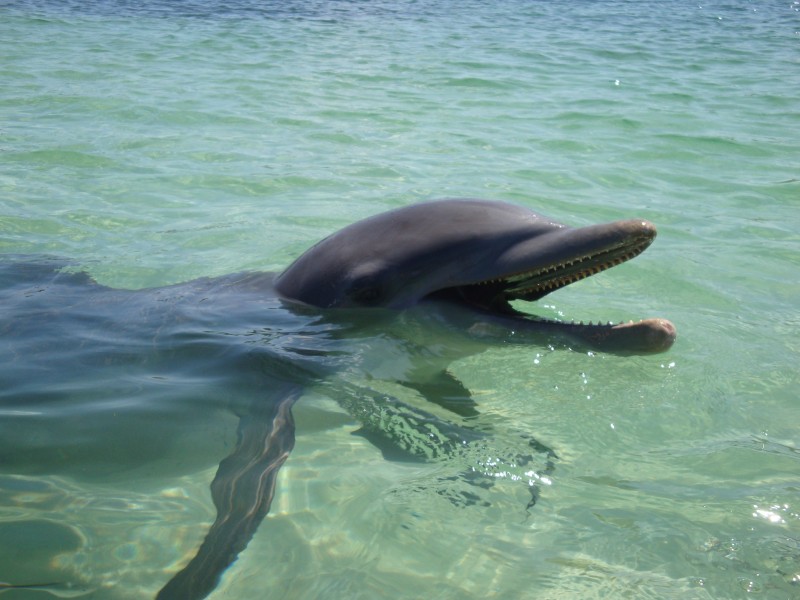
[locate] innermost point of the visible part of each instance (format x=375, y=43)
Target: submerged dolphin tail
x=242, y=491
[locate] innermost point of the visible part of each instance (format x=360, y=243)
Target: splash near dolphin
x=450, y=268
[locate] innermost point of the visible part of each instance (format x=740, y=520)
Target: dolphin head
x=475, y=253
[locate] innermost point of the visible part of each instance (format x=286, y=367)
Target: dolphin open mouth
x=494, y=295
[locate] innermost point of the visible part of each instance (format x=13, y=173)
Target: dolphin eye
x=366, y=291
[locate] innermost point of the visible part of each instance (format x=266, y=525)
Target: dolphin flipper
x=242, y=491
x=447, y=391
x=406, y=433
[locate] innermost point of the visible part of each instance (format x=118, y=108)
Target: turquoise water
x=154, y=144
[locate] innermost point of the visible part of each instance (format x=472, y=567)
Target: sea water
x=155, y=142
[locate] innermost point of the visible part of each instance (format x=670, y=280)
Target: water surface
x=154, y=143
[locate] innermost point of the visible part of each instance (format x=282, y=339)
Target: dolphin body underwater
x=446, y=270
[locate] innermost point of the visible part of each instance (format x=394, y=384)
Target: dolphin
x=478, y=254
x=455, y=271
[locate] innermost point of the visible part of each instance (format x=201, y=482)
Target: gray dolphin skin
x=393, y=298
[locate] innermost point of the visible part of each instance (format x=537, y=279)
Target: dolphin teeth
x=550, y=277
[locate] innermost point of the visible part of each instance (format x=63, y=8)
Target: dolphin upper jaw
x=534, y=267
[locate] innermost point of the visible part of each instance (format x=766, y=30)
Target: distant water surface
x=156, y=142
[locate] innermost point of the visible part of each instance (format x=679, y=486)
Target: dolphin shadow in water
x=435, y=279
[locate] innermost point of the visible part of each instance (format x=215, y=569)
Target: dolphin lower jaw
x=646, y=336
